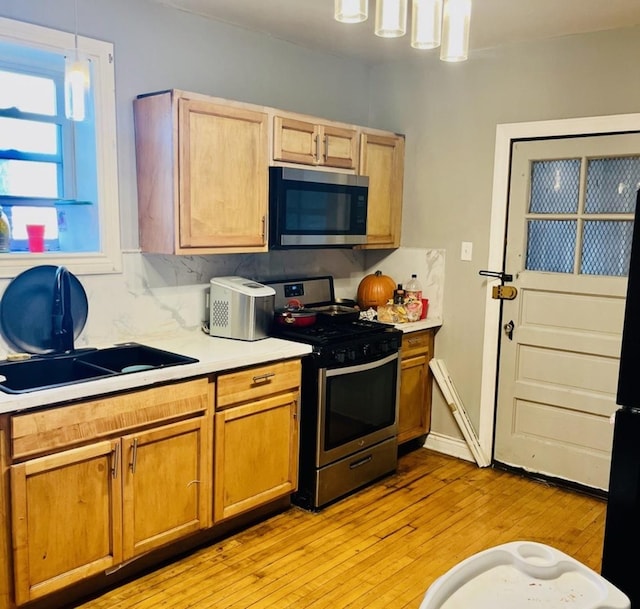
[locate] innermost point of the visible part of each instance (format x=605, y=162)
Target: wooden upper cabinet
x=314, y=143
x=202, y=167
x=382, y=160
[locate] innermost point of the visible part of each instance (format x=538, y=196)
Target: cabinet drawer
x=417, y=342
x=258, y=382
x=64, y=426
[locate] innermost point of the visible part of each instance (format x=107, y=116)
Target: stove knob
x=351, y=354
x=339, y=356
x=384, y=346
x=366, y=349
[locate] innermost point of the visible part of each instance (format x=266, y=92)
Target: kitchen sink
x=48, y=371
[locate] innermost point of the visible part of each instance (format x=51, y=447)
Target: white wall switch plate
x=466, y=250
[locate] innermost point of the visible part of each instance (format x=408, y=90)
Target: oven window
x=360, y=403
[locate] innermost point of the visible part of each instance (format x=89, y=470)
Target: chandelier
x=433, y=24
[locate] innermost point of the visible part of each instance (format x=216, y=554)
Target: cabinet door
x=66, y=514
x=256, y=454
x=413, y=417
x=382, y=160
x=339, y=147
x=308, y=143
x=223, y=176
x=166, y=474
x=414, y=413
x=295, y=141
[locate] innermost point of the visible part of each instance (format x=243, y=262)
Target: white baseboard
x=447, y=445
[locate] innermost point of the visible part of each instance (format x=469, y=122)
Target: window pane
x=606, y=247
x=28, y=136
x=28, y=179
x=27, y=93
x=555, y=186
x=20, y=216
x=612, y=185
x=551, y=245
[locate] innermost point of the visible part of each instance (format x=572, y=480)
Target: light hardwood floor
x=380, y=548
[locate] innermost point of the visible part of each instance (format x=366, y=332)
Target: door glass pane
x=606, y=248
x=28, y=136
x=612, y=185
x=27, y=93
x=551, y=245
x=555, y=186
x=28, y=178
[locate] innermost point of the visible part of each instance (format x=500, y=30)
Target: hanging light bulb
x=351, y=11
x=77, y=79
x=426, y=21
x=455, y=30
x=391, y=18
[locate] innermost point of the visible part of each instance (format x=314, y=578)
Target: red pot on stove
x=294, y=315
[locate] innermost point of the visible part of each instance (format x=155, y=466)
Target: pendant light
x=391, y=18
x=77, y=79
x=455, y=27
x=435, y=23
x=351, y=11
x=426, y=22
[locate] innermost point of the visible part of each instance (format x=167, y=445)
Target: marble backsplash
x=157, y=295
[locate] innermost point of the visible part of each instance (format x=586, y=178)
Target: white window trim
x=109, y=258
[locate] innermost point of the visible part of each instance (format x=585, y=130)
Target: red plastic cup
x=35, y=232
x=425, y=308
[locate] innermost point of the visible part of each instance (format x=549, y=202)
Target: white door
x=570, y=219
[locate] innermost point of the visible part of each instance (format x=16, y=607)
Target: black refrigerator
x=620, y=563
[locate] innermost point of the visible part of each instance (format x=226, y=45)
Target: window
x=581, y=214
x=56, y=172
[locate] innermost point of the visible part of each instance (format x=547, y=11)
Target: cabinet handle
x=115, y=460
x=264, y=230
x=317, y=149
x=325, y=152
x=263, y=377
x=134, y=455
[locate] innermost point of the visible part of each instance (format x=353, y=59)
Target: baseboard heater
x=441, y=374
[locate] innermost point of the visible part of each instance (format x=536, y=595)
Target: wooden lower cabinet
x=84, y=510
x=67, y=519
x=414, y=417
x=256, y=439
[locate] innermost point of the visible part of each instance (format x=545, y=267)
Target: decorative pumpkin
x=375, y=290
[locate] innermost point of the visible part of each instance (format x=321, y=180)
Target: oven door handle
x=362, y=367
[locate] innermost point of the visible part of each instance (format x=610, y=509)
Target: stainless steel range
x=349, y=407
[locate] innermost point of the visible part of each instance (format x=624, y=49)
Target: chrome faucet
x=61, y=320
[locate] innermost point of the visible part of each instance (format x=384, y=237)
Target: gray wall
x=449, y=114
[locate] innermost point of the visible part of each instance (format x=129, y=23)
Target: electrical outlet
x=466, y=250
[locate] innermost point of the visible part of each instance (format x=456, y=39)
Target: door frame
x=506, y=133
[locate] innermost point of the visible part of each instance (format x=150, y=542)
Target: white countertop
x=214, y=355
x=423, y=324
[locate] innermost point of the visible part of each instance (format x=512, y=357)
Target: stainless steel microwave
x=310, y=208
